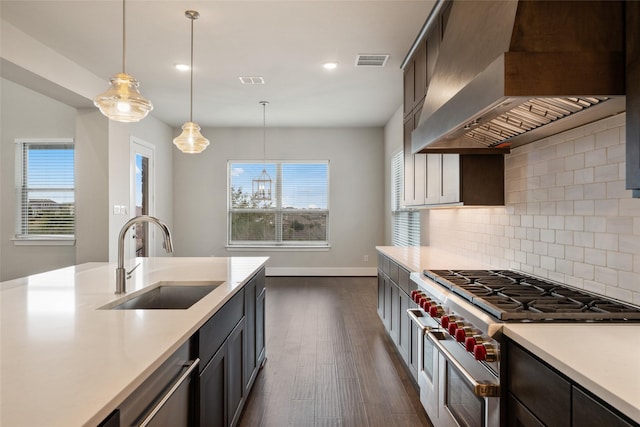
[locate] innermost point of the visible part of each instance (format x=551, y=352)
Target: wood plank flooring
x=329, y=360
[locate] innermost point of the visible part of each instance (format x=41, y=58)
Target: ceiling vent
x=371, y=60
x=256, y=80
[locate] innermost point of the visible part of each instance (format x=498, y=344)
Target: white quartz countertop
x=419, y=258
x=66, y=362
x=604, y=358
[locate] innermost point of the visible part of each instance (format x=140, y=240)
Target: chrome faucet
x=121, y=278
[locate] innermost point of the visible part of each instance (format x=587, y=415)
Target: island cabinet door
x=250, y=362
x=213, y=408
x=222, y=392
x=260, y=327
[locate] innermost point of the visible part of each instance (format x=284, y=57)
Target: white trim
x=284, y=248
x=44, y=242
x=322, y=271
x=44, y=140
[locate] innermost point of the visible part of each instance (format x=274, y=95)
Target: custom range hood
x=512, y=72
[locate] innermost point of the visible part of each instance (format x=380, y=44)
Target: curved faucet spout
x=121, y=280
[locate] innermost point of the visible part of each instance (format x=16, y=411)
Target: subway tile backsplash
x=568, y=216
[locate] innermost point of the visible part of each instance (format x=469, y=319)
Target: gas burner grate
x=510, y=295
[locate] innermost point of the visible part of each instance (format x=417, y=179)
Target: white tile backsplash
x=568, y=215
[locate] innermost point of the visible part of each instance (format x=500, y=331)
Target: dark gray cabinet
x=222, y=387
x=538, y=395
x=232, y=348
x=394, y=290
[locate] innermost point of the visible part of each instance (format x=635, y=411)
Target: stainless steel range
x=461, y=314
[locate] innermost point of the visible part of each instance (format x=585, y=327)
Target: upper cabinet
x=632, y=12
x=442, y=179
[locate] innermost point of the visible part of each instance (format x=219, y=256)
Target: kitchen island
x=600, y=357
x=67, y=361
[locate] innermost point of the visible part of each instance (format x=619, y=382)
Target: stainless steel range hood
x=511, y=72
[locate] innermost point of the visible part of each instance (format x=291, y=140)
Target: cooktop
x=511, y=295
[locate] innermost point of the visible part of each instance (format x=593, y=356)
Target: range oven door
x=468, y=393
x=427, y=364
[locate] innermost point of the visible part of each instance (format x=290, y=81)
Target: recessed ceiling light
x=182, y=67
x=330, y=65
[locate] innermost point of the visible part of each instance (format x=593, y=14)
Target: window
x=295, y=215
x=405, y=223
x=46, y=195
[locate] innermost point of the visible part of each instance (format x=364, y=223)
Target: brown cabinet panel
x=409, y=84
x=542, y=391
x=420, y=74
x=519, y=415
x=588, y=412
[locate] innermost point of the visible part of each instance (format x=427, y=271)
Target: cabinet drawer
x=260, y=281
x=544, y=392
x=588, y=412
x=394, y=271
x=404, y=282
x=213, y=333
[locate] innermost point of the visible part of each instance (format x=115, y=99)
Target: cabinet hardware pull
x=170, y=393
x=414, y=317
x=481, y=389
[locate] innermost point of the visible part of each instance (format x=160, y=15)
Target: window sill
x=44, y=242
x=244, y=248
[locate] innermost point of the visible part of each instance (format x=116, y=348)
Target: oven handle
x=414, y=317
x=481, y=389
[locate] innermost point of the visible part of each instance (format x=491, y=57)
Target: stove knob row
x=472, y=341
x=446, y=319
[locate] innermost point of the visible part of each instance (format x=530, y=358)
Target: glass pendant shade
x=122, y=102
x=191, y=140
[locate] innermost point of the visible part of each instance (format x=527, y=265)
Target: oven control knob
x=470, y=342
x=425, y=304
x=413, y=295
x=436, y=311
x=463, y=333
x=486, y=352
x=446, y=320
x=454, y=326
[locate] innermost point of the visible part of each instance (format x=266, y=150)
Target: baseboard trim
x=321, y=271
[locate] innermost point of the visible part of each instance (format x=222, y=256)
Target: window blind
x=405, y=223
x=295, y=214
x=47, y=190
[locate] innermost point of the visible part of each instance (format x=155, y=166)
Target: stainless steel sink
x=167, y=296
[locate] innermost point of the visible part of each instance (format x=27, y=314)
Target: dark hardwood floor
x=329, y=360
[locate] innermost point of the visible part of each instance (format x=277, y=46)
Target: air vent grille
x=371, y=60
x=255, y=80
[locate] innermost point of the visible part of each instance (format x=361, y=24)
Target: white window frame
x=20, y=237
x=405, y=223
x=279, y=211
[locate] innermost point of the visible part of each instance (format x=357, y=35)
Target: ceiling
x=285, y=42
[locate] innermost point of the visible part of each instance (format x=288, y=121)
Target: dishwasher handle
x=170, y=393
x=480, y=388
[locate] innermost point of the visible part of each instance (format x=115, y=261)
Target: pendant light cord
x=191, y=83
x=124, y=38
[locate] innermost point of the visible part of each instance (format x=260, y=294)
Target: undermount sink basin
x=167, y=296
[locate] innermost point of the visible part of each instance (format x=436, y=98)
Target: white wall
x=356, y=157
x=27, y=114
x=393, y=142
x=568, y=216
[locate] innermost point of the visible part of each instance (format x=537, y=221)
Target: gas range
x=509, y=295
x=461, y=314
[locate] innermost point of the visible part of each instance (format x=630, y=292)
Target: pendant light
x=122, y=102
x=261, y=186
x=191, y=140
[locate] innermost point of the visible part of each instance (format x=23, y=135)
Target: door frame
x=148, y=150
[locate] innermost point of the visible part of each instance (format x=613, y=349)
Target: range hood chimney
x=512, y=72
